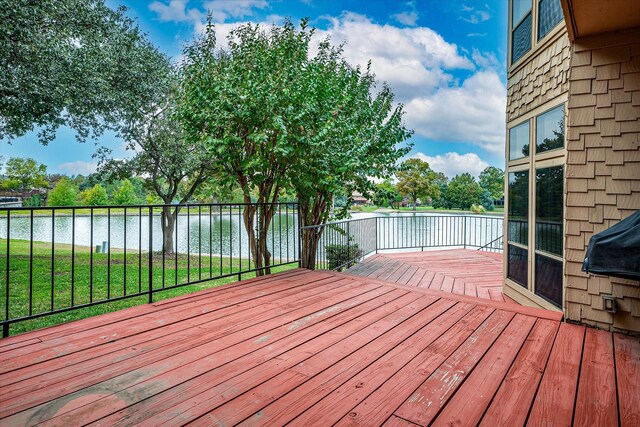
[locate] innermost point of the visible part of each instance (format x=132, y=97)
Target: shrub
x=64, y=193
x=95, y=196
x=478, y=208
x=356, y=208
x=341, y=255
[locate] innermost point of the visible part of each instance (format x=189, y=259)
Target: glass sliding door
x=549, y=234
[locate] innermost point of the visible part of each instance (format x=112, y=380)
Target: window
x=517, y=267
x=549, y=209
x=535, y=206
x=521, y=29
x=518, y=227
x=518, y=221
x=519, y=141
x=549, y=279
x=527, y=21
x=549, y=15
x=550, y=130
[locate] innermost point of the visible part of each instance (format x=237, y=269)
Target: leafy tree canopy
x=95, y=196
x=65, y=193
x=71, y=63
x=492, y=180
x=463, y=191
x=274, y=117
x=386, y=194
x=25, y=174
x=125, y=194
x=417, y=180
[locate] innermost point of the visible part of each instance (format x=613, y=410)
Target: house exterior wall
x=603, y=169
x=542, y=78
x=537, y=83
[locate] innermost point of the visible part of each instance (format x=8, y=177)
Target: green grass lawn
x=98, y=277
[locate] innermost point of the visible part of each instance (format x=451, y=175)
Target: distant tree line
x=416, y=181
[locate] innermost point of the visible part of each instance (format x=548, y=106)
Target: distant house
x=359, y=199
x=572, y=155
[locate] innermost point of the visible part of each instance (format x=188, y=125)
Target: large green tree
x=463, y=191
x=416, y=180
x=349, y=136
x=492, y=180
x=173, y=167
x=65, y=193
x=386, y=194
x=25, y=174
x=243, y=104
x=273, y=116
x=73, y=63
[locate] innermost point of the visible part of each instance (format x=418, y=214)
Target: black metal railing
x=344, y=243
x=54, y=260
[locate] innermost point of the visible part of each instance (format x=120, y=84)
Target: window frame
x=536, y=43
x=534, y=161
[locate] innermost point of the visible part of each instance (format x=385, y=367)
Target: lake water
x=224, y=234
x=207, y=234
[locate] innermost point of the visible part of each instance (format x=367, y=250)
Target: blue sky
x=444, y=59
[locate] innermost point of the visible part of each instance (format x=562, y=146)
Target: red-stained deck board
x=339, y=402
x=430, y=397
x=379, y=405
x=471, y=400
x=249, y=403
x=151, y=364
x=175, y=334
x=89, y=329
x=627, y=351
x=394, y=421
x=459, y=271
x=596, y=402
x=556, y=395
x=512, y=402
x=321, y=348
x=164, y=401
x=324, y=381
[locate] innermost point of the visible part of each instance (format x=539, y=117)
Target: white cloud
x=418, y=64
x=220, y=10
x=412, y=60
x=406, y=18
x=473, y=112
x=452, y=164
x=176, y=11
x=78, y=167
x=475, y=15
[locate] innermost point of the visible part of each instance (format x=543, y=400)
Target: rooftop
x=313, y=347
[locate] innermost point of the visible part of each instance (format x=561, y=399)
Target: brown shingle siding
x=610, y=146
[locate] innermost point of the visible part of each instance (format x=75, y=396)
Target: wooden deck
x=459, y=271
x=320, y=348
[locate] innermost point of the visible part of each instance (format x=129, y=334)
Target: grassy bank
x=64, y=277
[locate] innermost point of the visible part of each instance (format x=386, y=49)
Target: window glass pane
x=520, y=9
x=519, y=141
x=517, y=265
x=549, y=208
x=550, y=130
x=521, y=39
x=518, y=214
x=549, y=279
x=549, y=14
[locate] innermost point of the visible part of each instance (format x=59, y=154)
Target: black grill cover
x=616, y=250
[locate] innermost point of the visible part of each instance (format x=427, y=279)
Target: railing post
x=464, y=232
x=151, y=255
x=300, y=236
x=376, y=228
x=348, y=246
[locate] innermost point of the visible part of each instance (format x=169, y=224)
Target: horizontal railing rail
x=344, y=243
x=57, y=259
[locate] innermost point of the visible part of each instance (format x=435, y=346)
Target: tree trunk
x=310, y=239
x=168, y=221
x=248, y=216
